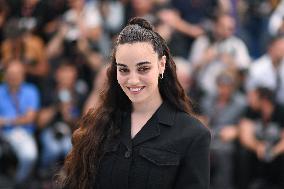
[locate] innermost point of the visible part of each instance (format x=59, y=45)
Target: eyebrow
x=138, y=64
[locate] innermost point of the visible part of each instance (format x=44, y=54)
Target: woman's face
x=138, y=69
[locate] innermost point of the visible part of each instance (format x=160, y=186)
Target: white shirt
x=232, y=45
x=262, y=73
x=207, y=76
x=90, y=17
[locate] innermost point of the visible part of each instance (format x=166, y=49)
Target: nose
x=133, y=79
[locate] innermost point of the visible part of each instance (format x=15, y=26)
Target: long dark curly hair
x=101, y=124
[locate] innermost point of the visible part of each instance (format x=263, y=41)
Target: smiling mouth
x=135, y=89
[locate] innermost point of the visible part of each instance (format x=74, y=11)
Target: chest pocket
x=160, y=157
x=162, y=165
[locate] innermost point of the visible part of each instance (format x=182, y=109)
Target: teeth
x=135, y=89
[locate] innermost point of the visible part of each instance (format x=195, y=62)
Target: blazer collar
x=165, y=115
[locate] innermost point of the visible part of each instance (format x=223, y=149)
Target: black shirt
x=170, y=151
x=270, y=130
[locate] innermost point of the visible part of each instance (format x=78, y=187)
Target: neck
x=275, y=61
x=223, y=99
x=13, y=90
x=267, y=112
x=146, y=107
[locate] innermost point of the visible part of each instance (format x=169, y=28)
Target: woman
x=142, y=135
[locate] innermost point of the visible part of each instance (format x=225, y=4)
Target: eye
x=123, y=70
x=143, y=69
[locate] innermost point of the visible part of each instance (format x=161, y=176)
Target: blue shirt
x=27, y=98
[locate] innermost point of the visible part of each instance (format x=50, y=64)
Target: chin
x=137, y=99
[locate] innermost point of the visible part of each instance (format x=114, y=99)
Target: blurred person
x=237, y=10
x=216, y=51
x=86, y=60
x=58, y=117
x=112, y=12
x=251, y=111
x=94, y=98
x=55, y=9
x=92, y=58
x=270, y=65
x=113, y=16
x=82, y=19
x=149, y=10
x=255, y=25
x=262, y=136
x=141, y=8
x=222, y=112
x=142, y=135
x=184, y=75
x=56, y=48
x=22, y=44
x=163, y=29
x=188, y=19
x=78, y=38
x=18, y=109
x=33, y=14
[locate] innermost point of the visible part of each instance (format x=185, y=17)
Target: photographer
x=21, y=44
x=218, y=50
x=19, y=105
x=262, y=135
x=58, y=117
x=223, y=112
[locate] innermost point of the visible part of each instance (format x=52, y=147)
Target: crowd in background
x=229, y=56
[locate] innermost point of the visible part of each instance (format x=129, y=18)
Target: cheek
x=122, y=80
x=152, y=79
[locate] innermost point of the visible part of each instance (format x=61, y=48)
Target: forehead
x=279, y=42
x=225, y=20
x=66, y=69
x=130, y=53
x=15, y=67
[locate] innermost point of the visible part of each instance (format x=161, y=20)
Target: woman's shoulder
x=190, y=124
x=190, y=132
x=183, y=125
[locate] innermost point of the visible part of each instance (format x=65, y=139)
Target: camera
x=61, y=129
x=64, y=96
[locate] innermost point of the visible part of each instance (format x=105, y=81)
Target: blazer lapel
x=150, y=130
x=164, y=115
x=125, y=136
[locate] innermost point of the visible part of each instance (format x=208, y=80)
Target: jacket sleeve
x=195, y=167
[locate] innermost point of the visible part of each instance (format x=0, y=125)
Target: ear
x=162, y=64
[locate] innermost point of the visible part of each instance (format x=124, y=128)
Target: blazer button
x=127, y=154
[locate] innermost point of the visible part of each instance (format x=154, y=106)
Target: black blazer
x=170, y=152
